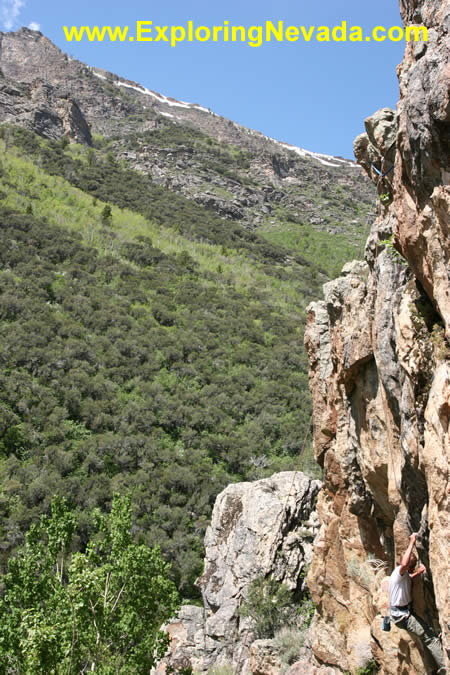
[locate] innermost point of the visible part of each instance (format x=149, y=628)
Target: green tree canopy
x=100, y=610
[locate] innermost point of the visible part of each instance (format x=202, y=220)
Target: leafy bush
x=270, y=605
x=289, y=641
x=392, y=252
x=440, y=343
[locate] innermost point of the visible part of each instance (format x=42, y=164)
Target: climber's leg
x=418, y=627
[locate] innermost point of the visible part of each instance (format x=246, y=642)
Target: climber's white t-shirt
x=399, y=593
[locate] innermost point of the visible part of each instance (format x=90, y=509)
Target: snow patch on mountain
x=159, y=97
x=326, y=160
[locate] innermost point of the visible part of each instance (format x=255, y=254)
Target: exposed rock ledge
x=257, y=529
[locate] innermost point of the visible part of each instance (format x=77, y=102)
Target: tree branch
x=118, y=598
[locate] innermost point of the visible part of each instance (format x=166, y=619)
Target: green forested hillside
x=157, y=351
x=319, y=213
x=99, y=174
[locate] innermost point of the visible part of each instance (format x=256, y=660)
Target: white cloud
x=34, y=26
x=9, y=12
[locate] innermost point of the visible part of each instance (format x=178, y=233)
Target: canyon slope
x=241, y=175
x=378, y=343
x=156, y=262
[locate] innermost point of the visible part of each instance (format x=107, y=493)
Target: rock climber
x=400, y=597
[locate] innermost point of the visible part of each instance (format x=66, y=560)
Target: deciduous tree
x=97, y=611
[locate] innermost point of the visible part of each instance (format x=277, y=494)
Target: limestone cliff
x=380, y=378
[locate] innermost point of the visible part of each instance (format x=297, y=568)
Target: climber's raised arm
x=408, y=558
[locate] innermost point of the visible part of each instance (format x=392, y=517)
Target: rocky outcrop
x=49, y=111
x=422, y=174
x=261, y=529
x=380, y=379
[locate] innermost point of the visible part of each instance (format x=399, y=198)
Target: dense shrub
x=135, y=374
x=75, y=612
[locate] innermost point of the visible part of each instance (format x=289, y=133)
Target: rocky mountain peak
x=27, y=55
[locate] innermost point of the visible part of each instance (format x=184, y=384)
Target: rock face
x=49, y=111
x=380, y=379
x=265, y=528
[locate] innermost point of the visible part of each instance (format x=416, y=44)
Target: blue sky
x=312, y=95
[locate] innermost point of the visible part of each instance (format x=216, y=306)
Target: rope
x=384, y=158
x=382, y=175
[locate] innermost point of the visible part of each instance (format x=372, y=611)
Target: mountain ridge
x=237, y=172
x=153, y=282
x=161, y=102
x=164, y=100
